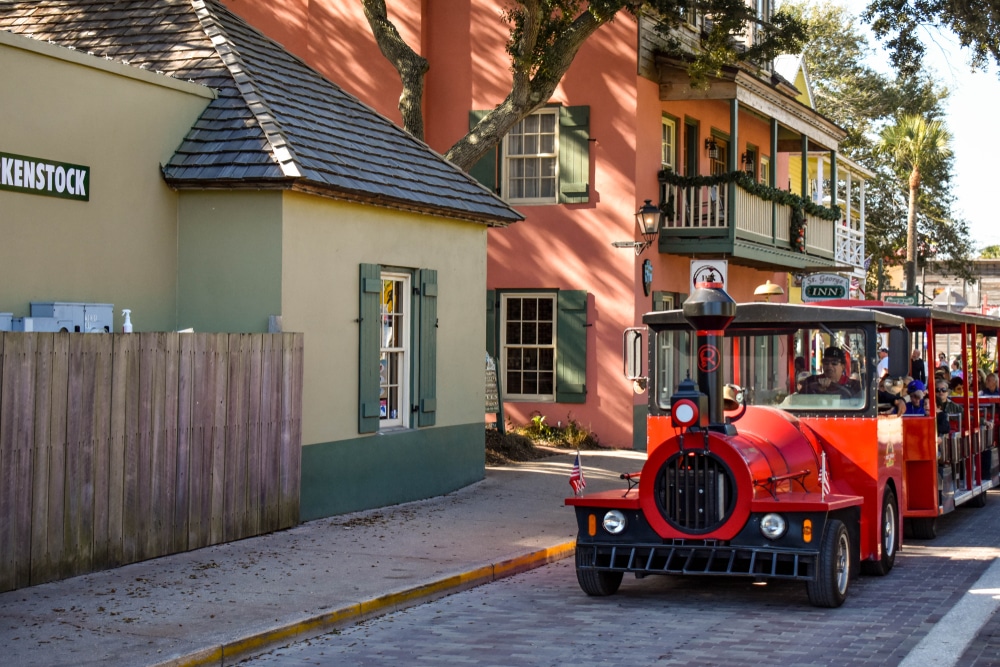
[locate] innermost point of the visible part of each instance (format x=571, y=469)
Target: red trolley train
x=776, y=460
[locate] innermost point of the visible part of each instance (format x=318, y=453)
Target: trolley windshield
x=805, y=369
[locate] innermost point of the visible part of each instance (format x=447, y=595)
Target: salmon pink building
x=743, y=174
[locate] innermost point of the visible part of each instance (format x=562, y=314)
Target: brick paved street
x=542, y=617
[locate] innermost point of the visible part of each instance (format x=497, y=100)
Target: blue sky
x=971, y=110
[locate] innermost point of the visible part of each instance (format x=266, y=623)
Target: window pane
x=514, y=332
x=529, y=346
x=544, y=333
x=529, y=333
x=393, y=359
x=531, y=163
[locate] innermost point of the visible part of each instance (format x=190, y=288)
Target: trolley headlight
x=614, y=522
x=773, y=526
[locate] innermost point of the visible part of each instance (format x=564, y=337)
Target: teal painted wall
x=229, y=260
x=390, y=468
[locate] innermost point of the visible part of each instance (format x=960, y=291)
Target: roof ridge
x=255, y=100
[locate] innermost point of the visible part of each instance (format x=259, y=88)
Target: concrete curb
x=259, y=642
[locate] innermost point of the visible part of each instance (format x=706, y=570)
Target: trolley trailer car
x=767, y=453
x=950, y=458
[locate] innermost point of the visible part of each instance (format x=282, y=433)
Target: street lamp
x=648, y=220
x=767, y=290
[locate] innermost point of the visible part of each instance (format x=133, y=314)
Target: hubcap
x=889, y=530
x=843, y=549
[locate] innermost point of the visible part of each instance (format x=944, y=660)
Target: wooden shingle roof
x=276, y=122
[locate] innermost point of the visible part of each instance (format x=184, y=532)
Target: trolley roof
x=756, y=316
x=916, y=316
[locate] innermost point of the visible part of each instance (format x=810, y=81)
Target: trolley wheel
x=923, y=528
x=888, y=539
x=978, y=500
x=596, y=582
x=828, y=588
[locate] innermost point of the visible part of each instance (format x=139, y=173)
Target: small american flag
x=576, y=477
x=824, y=478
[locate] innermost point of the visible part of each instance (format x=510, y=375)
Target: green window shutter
x=574, y=155
x=667, y=300
x=571, y=347
x=427, y=382
x=369, y=350
x=491, y=323
x=486, y=171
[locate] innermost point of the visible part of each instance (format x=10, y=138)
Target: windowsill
x=391, y=430
x=530, y=399
x=532, y=202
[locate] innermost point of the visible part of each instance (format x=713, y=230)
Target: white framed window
x=765, y=170
x=531, y=151
x=528, y=346
x=394, y=353
x=668, y=150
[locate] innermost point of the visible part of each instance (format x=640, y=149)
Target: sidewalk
x=215, y=605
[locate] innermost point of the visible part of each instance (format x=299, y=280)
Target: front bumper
x=641, y=551
x=697, y=557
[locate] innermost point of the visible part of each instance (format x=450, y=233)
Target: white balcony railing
x=850, y=245
x=704, y=207
x=697, y=207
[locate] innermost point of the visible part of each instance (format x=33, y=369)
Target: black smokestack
x=710, y=310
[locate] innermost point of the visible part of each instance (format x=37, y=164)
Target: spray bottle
x=127, y=326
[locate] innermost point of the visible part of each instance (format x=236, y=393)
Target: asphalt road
x=926, y=612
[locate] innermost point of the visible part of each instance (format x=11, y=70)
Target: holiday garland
x=765, y=192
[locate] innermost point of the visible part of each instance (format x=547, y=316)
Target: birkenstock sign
x=38, y=176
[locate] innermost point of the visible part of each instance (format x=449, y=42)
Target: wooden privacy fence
x=118, y=448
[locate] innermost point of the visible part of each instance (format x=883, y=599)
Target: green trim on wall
x=390, y=468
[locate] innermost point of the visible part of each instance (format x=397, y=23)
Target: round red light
x=684, y=413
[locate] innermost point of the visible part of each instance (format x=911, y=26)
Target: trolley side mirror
x=632, y=353
x=899, y=352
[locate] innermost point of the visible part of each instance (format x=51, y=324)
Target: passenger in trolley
x=834, y=379
x=917, y=403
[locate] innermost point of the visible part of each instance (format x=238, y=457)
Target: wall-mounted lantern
x=648, y=220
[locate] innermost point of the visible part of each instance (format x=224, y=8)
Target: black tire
x=888, y=538
x=923, y=528
x=596, y=583
x=828, y=588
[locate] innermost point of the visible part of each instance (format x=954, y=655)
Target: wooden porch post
x=805, y=168
x=772, y=178
x=734, y=139
x=833, y=178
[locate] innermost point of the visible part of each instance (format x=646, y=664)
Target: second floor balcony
x=730, y=216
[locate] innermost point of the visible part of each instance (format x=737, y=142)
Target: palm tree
x=914, y=144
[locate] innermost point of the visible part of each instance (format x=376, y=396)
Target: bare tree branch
x=411, y=66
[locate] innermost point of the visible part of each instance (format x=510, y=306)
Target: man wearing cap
x=883, y=363
x=945, y=407
x=834, y=379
